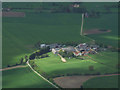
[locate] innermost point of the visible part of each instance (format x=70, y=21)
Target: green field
x=53, y=66
x=108, y=58
x=109, y=22
x=20, y=34
x=23, y=78
x=104, y=82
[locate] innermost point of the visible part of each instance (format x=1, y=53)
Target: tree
x=44, y=55
x=21, y=61
x=32, y=56
x=91, y=68
x=26, y=58
x=8, y=65
x=70, y=54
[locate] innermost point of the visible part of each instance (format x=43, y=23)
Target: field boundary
x=13, y=14
x=41, y=75
x=9, y=68
x=95, y=31
x=100, y=62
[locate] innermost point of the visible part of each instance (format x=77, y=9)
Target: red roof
x=76, y=53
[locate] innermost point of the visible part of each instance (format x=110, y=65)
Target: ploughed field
x=96, y=81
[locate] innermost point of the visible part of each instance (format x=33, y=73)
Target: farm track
x=41, y=75
x=20, y=66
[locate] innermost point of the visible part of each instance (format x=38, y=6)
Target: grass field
x=53, y=66
x=23, y=78
x=104, y=82
x=108, y=58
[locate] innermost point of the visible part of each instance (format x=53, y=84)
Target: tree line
x=41, y=51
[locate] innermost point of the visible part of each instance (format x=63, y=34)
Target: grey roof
x=69, y=49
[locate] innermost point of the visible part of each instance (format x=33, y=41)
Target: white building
x=42, y=45
x=55, y=50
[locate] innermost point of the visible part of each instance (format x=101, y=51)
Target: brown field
x=75, y=81
x=95, y=31
x=13, y=14
x=71, y=81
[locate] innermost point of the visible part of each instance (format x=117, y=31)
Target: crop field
x=109, y=22
x=23, y=78
x=20, y=34
x=104, y=82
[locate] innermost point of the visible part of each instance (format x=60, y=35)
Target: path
x=13, y=67
x=63, y=59
x=41, y=75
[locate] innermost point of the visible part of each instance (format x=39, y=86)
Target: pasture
x=108, y=58
x=53, y=66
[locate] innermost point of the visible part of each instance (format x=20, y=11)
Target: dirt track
x=95, y=31
x=13, y=67
x=75, y=81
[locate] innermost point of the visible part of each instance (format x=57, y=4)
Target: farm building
x=76, y=5
x=55, y=45
x=69, y=49
x=42, y=45
x=55, y=50
x=77, y=53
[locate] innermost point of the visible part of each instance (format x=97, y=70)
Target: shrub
x=91, y=68
x=8, y=66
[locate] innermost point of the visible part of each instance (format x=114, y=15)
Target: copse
x=39, y=52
